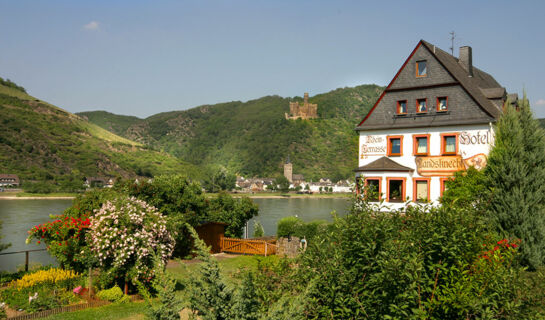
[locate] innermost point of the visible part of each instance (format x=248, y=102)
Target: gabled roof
x=473, y=85
x=383, y=164
x=481, y=87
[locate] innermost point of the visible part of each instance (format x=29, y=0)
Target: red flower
x=496, y=248
x=38, y=241
x=514, y=245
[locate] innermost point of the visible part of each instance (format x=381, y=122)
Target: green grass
x=133, y=310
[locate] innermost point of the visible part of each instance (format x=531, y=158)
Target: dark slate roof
x=487, y=93
x=473, y=85
x=383, y=164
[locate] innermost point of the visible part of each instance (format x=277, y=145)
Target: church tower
x=288, y=170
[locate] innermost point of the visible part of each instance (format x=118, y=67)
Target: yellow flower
x=50, y=276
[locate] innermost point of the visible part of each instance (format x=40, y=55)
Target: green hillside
x=43, y=142
x=253, y=138
x=117, y=124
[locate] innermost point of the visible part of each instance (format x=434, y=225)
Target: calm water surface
x=18, y=216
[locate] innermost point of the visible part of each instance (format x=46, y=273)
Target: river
x=18, y=216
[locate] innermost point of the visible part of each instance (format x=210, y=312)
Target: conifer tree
x=516, y=179
x=209, y=297
x=246, y=304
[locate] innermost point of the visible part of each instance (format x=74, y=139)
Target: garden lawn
x=126, y=311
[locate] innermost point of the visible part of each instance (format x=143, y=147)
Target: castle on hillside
x=304, y=111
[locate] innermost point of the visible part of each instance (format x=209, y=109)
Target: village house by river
x=434, y=118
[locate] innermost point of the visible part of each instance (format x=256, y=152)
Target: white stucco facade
x=473, y=144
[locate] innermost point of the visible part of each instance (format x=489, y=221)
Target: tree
x=283, y=183
x=258, y=229
x=307, y=187
x=516, y=178
x=219, y=179
x=234, y=212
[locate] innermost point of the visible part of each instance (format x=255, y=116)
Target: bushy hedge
x=294, y=226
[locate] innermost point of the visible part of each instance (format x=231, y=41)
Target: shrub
x=293, y=226
x=288, y=226
x=258, y=229
x=126, y=234
x=55, y=277
x=113, y=294
x=65, y=239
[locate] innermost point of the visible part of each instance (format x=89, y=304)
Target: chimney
x=306, y=98
x=466, y=59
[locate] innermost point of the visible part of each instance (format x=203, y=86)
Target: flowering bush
x=54, y=276
x=126, y=234
x=65, y=238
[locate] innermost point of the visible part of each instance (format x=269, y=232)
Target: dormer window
x=421, y=68
x=402, y=107
x=421, y=106
x=442, y=104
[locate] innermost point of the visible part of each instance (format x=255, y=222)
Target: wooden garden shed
x=211, y=233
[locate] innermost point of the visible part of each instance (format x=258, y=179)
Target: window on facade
x=421, y=105
x=402, y=107
x=395, y=145
x=421, y=145
x=421, y=190
x=443, y=185
x=421, y=68
x=442, y=104
x=373, y=189
x=449, y=144
x=396, y=190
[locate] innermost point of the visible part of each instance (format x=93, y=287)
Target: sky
x=144, y=57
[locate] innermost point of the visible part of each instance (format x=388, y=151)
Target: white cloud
x=540, y=102
x=93, y=25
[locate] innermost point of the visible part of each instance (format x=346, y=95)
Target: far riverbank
x=268, y=195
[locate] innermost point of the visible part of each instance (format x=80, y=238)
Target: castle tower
x=288, y=170
x=305, y=99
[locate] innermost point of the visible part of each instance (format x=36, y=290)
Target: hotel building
x=434, y=118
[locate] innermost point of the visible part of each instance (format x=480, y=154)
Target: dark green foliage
x=246, y=305
x=168, y=304
x=11, y=84
x=282, y=183
x=209, y=295
x=516, y=179
x=293, y=226
x=219, y=179
x=287, y=226
x=258, y=229
x=466, y=189
x=117, y=124
x=235, y=212
x=425, y=263
x=253, y=138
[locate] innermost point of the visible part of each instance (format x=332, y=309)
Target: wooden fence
x=26, y=252
x=47, y=313
x=247, y=246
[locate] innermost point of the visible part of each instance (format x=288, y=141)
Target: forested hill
x=42, y=142
x=253, y=138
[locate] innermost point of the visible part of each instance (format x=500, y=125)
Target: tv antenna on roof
x=452, y=37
